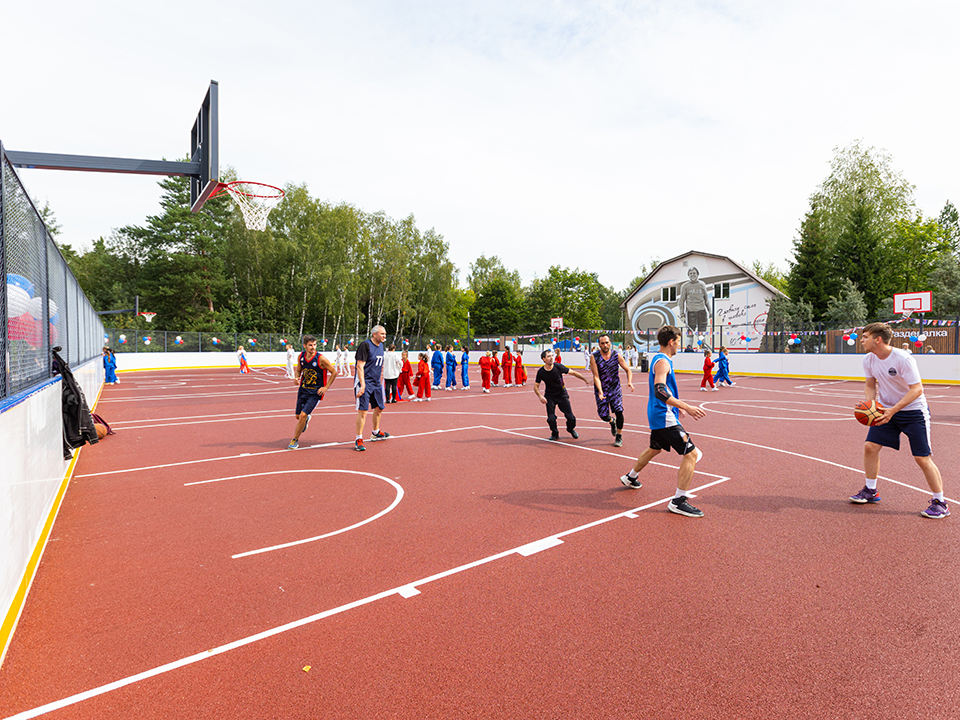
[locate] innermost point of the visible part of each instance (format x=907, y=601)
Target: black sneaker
x=555, y=436
x=379, y=435
x=630, y=482
x=618, y=442
x=574, y=435
x=613, y=428
x=680, y=506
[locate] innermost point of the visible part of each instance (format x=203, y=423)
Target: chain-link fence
x=41, y=300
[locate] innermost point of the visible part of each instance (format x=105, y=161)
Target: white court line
x=407, y=590
x=575, y=446
x=370, y=519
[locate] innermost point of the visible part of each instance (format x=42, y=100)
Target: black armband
x=661, y=391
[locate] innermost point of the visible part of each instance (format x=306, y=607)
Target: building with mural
x=714, y=300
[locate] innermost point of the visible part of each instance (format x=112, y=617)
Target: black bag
x=77, y=423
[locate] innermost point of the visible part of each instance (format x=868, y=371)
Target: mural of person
x=692, y=302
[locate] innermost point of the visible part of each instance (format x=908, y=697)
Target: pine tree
x=812, y=278
x=858, y=255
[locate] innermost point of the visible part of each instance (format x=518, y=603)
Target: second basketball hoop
x=254, y=199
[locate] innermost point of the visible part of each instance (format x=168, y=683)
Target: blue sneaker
x=938, y=509
x=866, y=496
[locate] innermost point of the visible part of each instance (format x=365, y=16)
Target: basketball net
x=254, y=199
x=149, y=316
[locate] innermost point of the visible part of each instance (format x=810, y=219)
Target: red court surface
x=469, y=568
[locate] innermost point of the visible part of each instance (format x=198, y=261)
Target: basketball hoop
x=254, y=199
x=148, y=316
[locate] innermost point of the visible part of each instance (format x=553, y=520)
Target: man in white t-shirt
x=893, y=379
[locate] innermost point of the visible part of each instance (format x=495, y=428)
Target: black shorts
x=307, y=400
x=672, y=438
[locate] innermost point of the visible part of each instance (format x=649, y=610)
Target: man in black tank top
x=314, y=375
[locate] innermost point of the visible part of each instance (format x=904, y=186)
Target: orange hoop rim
x=263, y=188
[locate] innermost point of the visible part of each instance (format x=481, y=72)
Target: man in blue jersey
x=664, y=409
x=368, y=384
x=311, y=374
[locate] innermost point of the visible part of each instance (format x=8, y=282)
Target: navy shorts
x=672, y=438
x=307, y=400
x=915, y=424
x=372, y=397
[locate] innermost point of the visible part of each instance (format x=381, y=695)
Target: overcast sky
x=595, y=135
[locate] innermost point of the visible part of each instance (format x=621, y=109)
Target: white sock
x=872, y=483
x=938, y=496
x=680, y=494
x=359, y=437
x=633, y=475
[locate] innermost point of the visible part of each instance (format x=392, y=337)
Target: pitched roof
x=748, y=273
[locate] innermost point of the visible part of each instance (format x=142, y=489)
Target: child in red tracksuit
x=507, y=367
x=707, y=374
x=486, y=362
x=495, y=368
x=519, y=372
x=403, y=382
x=422, y=381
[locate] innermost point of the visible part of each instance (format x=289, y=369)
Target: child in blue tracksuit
x=109, y=367
x=436, y=362
x=451, y=369
x=723, y=369
x=464, y=366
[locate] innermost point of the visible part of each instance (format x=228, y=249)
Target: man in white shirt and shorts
x=893, y=379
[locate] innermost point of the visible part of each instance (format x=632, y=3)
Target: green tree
x=484, y=269
x=944, y=281
x=863, y=176
x=857, y=255
x=917, y=246
x=812, y=277
x=498, y=308
x=848, y=306
x=950, y=222
x=771, y=273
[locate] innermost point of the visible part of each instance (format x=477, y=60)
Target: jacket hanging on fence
x=77, y=422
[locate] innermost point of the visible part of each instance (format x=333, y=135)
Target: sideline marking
x=370, y=519
x=407, y=590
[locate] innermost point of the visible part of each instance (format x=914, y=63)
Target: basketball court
x=468, y=567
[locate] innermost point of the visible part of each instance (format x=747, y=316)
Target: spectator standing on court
x=892, y=378
x=436, y=362
x=495, y=368
x=242, y=357
x=485, y=364
x=507, y=364
x=465, y=369
x=519, y=371
x=314, y=375
x=723, y=369
x=422, y=381
x=664, y=409
x=707, y=372
x=605, y=364
x=555, y=394
x=586, y=357
x=291, y=362
x=451, y=369
x=368, y=385
x=341, y=360
x=109, y=367
x=403, y=384
x=391, y=372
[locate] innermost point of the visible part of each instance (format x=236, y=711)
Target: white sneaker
x=703, y=389
x=715, y=388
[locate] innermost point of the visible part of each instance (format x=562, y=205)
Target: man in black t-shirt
x=555, y=394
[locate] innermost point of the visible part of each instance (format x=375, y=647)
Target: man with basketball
x=605, y=364
x=664, y=409
x=314, y=375
x=893, y=379
x=368, y=385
